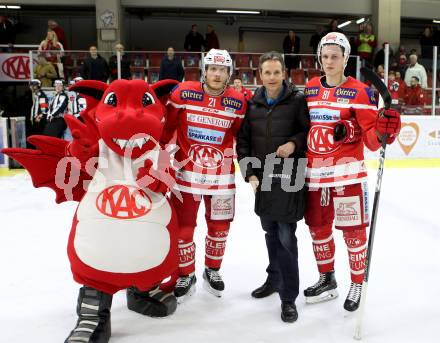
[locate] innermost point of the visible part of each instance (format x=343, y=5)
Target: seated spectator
x=416, y=69
x=171, y=67
x=53, y=25
x=211, y=40
x=49, y=45
x=238, y=86
x=414, y=93
x=57, y=108
x=45, y=72
x=95, y=67
x=125, y=64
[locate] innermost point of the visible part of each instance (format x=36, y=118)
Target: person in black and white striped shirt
x=57, y=108
x=40, y=107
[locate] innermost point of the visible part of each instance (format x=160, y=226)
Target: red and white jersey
x=330, y=163
x=206, y=128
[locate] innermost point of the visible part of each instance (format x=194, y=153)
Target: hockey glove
x=347, y=131
x=388, y=123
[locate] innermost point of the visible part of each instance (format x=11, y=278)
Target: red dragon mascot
x=124, y=231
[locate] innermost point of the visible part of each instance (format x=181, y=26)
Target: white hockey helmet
x=335, y=38
x=35, y=82
x=217, y=57
x=75, y=80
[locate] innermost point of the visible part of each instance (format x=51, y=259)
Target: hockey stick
x=386, y=96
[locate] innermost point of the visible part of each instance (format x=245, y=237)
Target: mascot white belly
x=121, y=228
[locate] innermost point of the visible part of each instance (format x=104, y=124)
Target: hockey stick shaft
x=383, y=90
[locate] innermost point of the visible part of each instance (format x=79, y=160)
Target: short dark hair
x=415, y=77
x=271, y=56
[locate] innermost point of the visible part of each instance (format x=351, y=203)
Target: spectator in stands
x=416, y=69
x=402, y=85
x=40, y=107
x=350, y=70
x=427, y=41
x=7, y=31
x=379, y=58
x=95, y=67
x=125, y=64
x=57, y=108
x=316, y=38
x=414, y=93
x=171, y=67
x=211, y=40
x=332, y=27
x=50, y=45
x=393, y=87
x=238, y=85
x=366, y=42
x=53, y=25
x=380, y=70
x=45, y=72
x=194, y=40
x=291, y=45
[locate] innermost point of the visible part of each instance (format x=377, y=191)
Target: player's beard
x=214, y=91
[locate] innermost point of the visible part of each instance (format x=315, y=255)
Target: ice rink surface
x=38, y=295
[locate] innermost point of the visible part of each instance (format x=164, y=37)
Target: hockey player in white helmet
x=217, y=69
x=207, y=116
x=344, y=118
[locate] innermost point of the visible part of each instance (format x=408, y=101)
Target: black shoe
x=152, y=303
x=354, y=297
x=289, y=314
x=93, y=325
x=264, y=291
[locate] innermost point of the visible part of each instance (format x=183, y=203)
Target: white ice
x=38, y=295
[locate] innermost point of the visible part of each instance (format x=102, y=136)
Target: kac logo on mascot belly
x=320, y=139
x=206, y=156
x=123, y=202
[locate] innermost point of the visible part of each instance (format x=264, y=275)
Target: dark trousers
x=55, y=127
x=282, y=248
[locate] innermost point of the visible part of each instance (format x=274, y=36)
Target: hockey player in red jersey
x=344, y=118
x=207, y=116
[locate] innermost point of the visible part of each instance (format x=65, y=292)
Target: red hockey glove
x=388, y=123
x=347, y=131
x=148, y=177
x=85, y=140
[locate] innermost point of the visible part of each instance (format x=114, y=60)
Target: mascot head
x=129, y=115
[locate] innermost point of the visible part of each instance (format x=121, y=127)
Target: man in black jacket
x=271, y=147
x=171, y=67
x=95, y=67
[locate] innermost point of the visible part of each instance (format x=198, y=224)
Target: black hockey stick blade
x=381, y=87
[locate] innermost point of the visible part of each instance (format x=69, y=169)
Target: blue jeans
x=282, y=249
